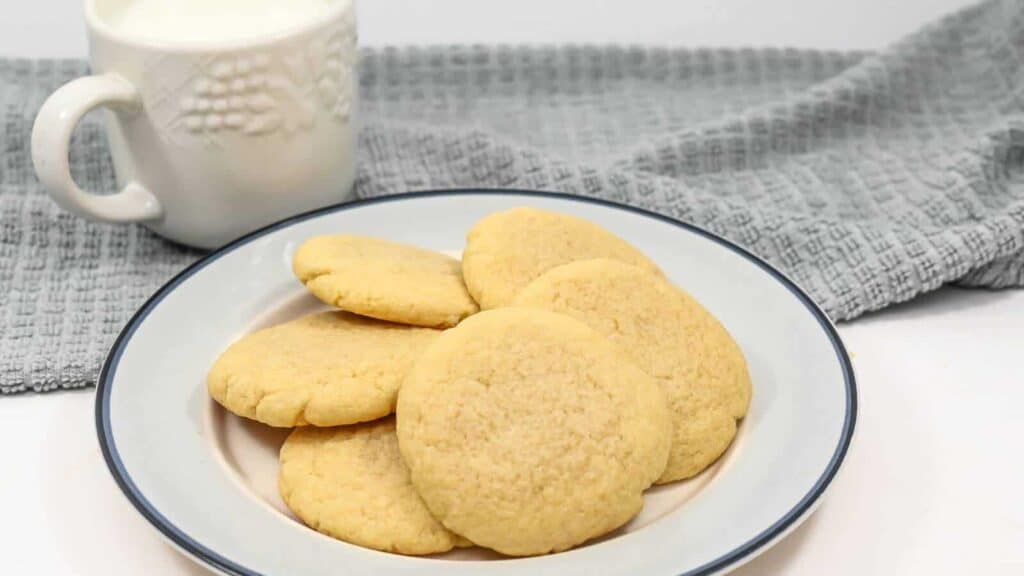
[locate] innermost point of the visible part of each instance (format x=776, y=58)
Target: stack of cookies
x=521, y=400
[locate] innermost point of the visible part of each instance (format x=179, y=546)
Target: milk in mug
x=199, y=21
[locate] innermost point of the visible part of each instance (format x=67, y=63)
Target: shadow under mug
x=210, y=141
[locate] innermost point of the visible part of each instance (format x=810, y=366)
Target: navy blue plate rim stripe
x=190, y=546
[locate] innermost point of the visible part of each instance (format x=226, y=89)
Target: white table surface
x=932, y=484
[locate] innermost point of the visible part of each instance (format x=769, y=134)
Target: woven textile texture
x=869, y=178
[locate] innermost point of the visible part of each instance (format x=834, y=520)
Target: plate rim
x=197, y=551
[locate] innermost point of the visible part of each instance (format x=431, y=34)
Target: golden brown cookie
x=528, y=432
x=507, y=250
x=384, y=280
x=324, y=369
x=350, y=483
x=671, y=337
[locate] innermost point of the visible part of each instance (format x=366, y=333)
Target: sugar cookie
x=528, y=432
x=350, y=483
x=671, y=337
x=505, y=251
x=384, y=280
x=324, y=369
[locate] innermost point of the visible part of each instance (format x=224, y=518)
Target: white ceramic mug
x=210, y=141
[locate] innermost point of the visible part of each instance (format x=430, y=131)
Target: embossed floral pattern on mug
x=254, y=93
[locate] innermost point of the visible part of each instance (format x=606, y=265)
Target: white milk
x=203, y=21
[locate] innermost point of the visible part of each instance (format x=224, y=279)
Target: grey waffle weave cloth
x=869, y=178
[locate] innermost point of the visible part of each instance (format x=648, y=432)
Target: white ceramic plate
x=207, y=480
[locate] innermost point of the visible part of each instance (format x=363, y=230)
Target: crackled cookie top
x=324, y=369
x=507, y=250
x=384, y=280
x=671, y=337
x=350, y=483
x=528, y=432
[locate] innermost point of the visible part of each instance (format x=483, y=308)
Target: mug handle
x=51, y=134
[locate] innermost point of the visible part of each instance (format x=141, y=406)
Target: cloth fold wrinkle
x=869, y=178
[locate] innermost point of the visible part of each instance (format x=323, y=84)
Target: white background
x=931, y=486
x=53, y=28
